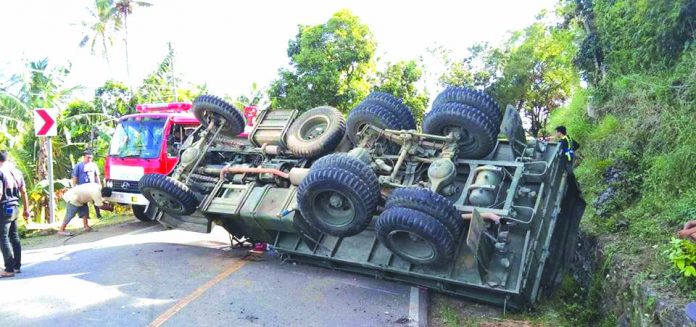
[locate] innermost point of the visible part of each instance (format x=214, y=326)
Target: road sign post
x=45, y=125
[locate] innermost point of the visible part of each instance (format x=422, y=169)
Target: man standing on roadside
x=568, y=148
x=12, y=188
x=86, y=171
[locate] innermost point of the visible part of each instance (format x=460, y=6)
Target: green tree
x=330, y=65
x=38, y=86
x=124, y=8
x=163, y=85
x=100, y=28
x=480, y=69
x=401, y=80
x=113, y=98
x=538, y=75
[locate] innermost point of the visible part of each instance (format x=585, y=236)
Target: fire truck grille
x=125, y=186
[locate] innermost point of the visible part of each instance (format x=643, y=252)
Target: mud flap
x=564, y=239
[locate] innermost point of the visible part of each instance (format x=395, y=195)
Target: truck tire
x=210, y=109
x=477, y=135
x=351, y=164
x=390, y=102
x=316, y=132
x=375, y=115
x=337, y=201
x=308, y=234
x=477, y=99
x=415, y=236
x=171, y=196
x=139, y=212
x=430, y=203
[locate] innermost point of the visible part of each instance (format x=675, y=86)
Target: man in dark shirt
x=12, y=187
x=568, y=148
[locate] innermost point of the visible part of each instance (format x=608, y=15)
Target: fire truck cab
x=148, y=142
x=145, y=143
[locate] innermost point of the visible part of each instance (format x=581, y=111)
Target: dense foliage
x=330, y=65
x=637, y=121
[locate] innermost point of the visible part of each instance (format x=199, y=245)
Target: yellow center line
x=197, y=293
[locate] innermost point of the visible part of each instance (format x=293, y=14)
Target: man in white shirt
x=76, y=200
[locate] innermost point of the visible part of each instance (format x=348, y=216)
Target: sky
x=231, y=44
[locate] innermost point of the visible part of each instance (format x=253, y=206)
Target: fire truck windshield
x=139, y=137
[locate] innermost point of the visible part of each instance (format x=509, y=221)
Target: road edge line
x=418, y=307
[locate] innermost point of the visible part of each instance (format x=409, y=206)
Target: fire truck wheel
x=316, y=132
x=428, y=202
x=211, y=110
x=374, y=115
x=415, y=236
x=170, y=195
x=139, y=212
x=337, y=201
x=477, y=99
x=309, y=235
x=394, y=104
x=477, y=135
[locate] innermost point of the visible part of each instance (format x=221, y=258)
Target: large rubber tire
x=308, y=234
x=477, y=99
x=337, y=201
x=415, y=236
x=210, y=109
x=316, y=132
x=478, y=135
x=170, y=195
x=374, y=115
x=428, y=202
x=139, y=212
x=351, y=164
x=402, y=111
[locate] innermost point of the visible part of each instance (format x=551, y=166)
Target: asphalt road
x=139, y=274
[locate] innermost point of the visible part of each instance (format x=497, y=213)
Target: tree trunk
x=125, y=41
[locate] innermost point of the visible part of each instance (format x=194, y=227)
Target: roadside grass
x=35, y=233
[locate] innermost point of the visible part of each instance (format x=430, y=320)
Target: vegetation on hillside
x=619, y=74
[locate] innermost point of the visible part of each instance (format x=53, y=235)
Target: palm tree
x=124, y=8
x=101, y=27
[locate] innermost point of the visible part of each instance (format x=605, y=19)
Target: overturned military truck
x=450, y=207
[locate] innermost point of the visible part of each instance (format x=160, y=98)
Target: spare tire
x=388, y=101
x=415, y=236
x=316, y=132
x=477, y=134
x=210, y=109
x=477, y=99
x=170, y=195
x=337, y=201
x=366, y=113
x=428, y=202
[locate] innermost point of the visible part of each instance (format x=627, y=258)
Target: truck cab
x=147, y=142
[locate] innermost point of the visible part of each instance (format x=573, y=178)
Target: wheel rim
x=411, y=246
x=334, y=208
x=466, y=141
x=165, y=200
x=214, y=119
x=313, y=128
